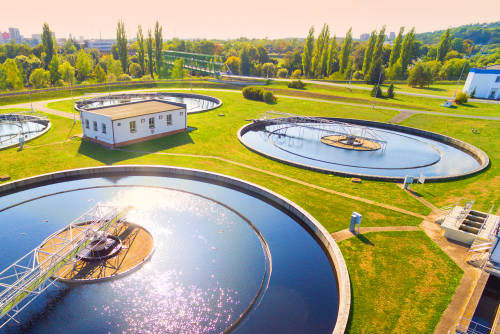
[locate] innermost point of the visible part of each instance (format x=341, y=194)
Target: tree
x=121, y=45
x=395, y=71
x=135, y=70
x=262, y=54
x=376, y=91
x=420, y=75
x=233, y=63
x=396, y=49
x=158, y=46
x=376, y=72
x=332, y=62
x=452, y=68
x=27, y=64
x=55, y=75
x=67, y=72
x=268, y=70
x=40, y=78
x=369, y=52
x=457, y=44
x=320, y=52
x=98, y=74
x=13, y=76
x=140, y=51
x=178, y=70
x=245, y=64
x=444, y=45
x=307, y=54
x=69, y=46
x=83, y=65
x=390, y=91
x=406, y=50
x=149, y=47
x=376, y=62
x=282, y=73
x=345, y=51
x=48, y=45
x=293, y=60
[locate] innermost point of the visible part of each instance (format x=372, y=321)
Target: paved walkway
x=346, y=234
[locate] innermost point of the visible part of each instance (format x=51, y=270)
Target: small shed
x=133, y=122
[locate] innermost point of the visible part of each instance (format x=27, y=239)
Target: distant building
x=103, y=45
x=484, y=82
x=37, y=37
x=15, y=35
x=133, y=122
x=392, y=35
x=4, y=37
x=364, y=37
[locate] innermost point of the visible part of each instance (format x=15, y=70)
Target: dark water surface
x=218, y=253
x=403, y=155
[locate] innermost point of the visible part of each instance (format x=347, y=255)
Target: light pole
x=72, y=101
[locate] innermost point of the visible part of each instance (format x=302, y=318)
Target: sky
x=239, y=18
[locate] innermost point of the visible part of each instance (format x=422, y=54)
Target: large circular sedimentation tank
x=195, y=103
x=229, y=256
x=15, y=126
x=366, y=149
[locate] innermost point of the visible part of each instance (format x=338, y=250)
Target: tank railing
x=468, y=326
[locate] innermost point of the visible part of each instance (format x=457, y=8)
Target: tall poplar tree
x=406, y=50
x=140, y=50
x=444, y=45
x=375, y=68
x=332, y=56
x=321, y=44
x=149, y=47
x=307, y=55
x=121, y=43
x=396, y=49
x=48, y=45
x=345, y=51
x=158, y=46
x=369, y=52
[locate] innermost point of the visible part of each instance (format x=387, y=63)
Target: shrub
x=268, y=97
x=390, y=91
x=258, y=94
x=376, y=91
x=358, y=75
x=296, y=84
x=146, y=77
x=461, y=98
x=124, y=77
x=282, y=73
x=296, y=74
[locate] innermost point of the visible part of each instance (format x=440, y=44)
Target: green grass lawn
x=443, y=88
x=400, y=101
x=484, y=187
x=401, y=282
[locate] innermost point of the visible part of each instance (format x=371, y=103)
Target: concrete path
x=346, y=234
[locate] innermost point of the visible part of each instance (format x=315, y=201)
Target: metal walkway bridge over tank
x=196, y=62
x=325, y=126
x=27, y=278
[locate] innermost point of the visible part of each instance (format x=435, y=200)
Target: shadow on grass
x=109, y=156
x=364, y=239
x=468, y=105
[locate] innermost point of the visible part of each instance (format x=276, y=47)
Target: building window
x=169, y=119
x=119, y=124
x=181, y=113
x=151, y=122
x=143, y=120
x=87, y=124
x=103, y=126
x=498, y=78
x=160, y=117
x=132, y=127
x=95, y=126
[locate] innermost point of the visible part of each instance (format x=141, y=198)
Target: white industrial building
x=483, y=82
x=133, y=122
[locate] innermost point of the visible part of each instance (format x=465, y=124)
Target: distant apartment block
x=103, y=45
x=364, y=37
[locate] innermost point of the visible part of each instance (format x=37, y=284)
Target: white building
x=485, y=83
x=133, y=122
x=103, y=45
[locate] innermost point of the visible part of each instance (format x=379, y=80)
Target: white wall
x=121, y=127
x=484, y=81
x=100, y=119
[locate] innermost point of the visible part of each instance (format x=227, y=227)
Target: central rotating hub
x=350, y=142
x=102, y=246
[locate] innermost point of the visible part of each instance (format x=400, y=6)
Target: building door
x=493, y=93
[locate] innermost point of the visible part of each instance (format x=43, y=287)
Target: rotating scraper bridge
x=325, y=127
x=27, y=278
